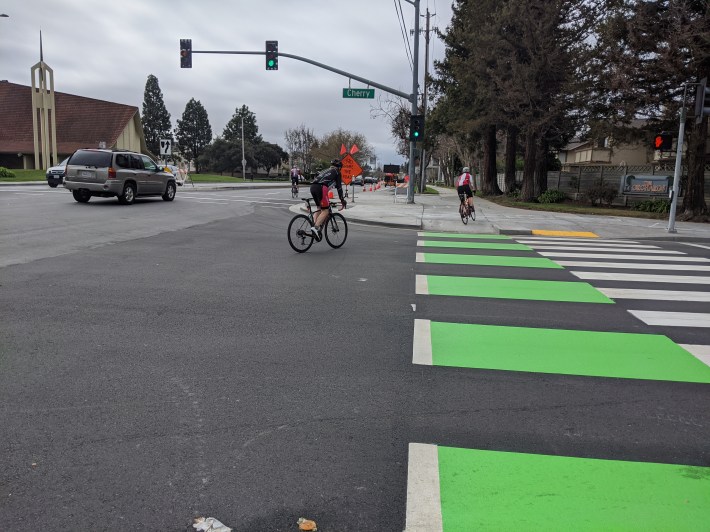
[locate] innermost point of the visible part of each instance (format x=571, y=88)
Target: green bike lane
x=453, y=488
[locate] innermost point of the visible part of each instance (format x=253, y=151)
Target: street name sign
x=359, y=93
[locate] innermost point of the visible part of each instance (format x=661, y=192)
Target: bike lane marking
x=497, y=490
x=557, y=351
x=487, y=260
x=428, y=234
x=582, y=234
x=423, y=490
x=491, y=287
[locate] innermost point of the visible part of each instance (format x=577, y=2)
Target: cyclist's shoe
x=316, y=233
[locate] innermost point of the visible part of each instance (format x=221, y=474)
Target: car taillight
x=111, y=172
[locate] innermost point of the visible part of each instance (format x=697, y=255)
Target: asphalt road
x=166, y=360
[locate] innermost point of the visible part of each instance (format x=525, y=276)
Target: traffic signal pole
x=414, y=100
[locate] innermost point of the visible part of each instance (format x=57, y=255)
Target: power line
x=403, y=29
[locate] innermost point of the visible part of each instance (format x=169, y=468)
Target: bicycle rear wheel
x=336, y=230
x=299, y=233
x=463, y=213
x=472, y=214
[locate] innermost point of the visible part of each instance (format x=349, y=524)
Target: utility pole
x=414, y=100
x=422, y=186
x=244, y=161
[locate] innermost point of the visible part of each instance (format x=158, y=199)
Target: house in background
x=80, y=123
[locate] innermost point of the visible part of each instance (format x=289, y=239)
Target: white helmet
x=465, y=169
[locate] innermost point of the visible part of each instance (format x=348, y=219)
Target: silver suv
x=123, y=174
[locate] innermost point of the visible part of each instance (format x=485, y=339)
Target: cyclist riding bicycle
x=466, y=185
x=319, y=190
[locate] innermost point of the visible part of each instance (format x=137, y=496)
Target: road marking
x=422, y=343
x=487, y=260
x=701, y=352
x=673, y=319
x=213, y=198
x=30, y=193
x=626, y=250
x=491, y=287
x=642, y=277
x=544, y=232
x=632, y=266
x=622, y=257
x=494, y=490
x=560, y=351
x=696, y=245
x=462, y=235
x=423, y=494
x=539, y=245
x=596, y=241
x=422, y=285
x=471, y=245
x=655, y=295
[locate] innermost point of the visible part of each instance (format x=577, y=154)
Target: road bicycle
x=300, y=236
x=294, y=190
x=465, y=210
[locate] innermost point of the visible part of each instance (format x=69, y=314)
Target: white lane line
x=30, y=193
x=633, y=266
x=696, y=245
x=673, y=319
x=213, y=198
x=422, y=287
x=420, y=257
x=623, y=257
x=552, y=240
x=642, y=278
x=626, y=250
x=701, y=352
x=655, y=295
x=423, y=489
x=595, y=243
x=422, y=343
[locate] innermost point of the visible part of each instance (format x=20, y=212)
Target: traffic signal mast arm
x=385, y=88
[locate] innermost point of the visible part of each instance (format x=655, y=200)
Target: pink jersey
x=465, y=179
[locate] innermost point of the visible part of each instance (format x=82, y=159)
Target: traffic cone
x=370, y=188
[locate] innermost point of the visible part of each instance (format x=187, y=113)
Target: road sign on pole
x=166, y=147
x=350, y=169
x=359, y=93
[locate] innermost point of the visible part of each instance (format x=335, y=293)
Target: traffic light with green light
x=663, y=142
x=272, y=55
x=185, y=53
x=416, y=128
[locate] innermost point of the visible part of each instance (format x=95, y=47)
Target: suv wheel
x=82, y=196
x=129, y=194
x=169, y=192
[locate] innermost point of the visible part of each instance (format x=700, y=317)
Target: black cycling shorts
x=320, y=195
x=465, y=189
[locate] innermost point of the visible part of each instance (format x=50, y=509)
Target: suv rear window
x=99, y=159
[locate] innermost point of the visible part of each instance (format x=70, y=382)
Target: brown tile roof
x=81, y=122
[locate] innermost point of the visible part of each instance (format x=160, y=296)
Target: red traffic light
x=663, y=142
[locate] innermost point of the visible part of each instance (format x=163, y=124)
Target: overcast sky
x=106, y=50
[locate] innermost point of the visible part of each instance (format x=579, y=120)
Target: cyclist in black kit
x=319, y=191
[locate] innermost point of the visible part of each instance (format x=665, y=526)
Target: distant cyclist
x=466, y=185
x=295, y=177
x=319, y=190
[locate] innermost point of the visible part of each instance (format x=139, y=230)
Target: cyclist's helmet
x=336, y=163
x=466, y=169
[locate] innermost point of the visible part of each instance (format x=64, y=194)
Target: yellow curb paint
x=583, y=234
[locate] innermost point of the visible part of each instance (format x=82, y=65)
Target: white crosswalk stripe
x=598, y=262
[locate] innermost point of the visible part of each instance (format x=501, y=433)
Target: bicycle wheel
x=472, y=213
x=336, y=230
x=299, y=233
x=463, y=213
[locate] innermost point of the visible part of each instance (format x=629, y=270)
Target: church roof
x=81, y=122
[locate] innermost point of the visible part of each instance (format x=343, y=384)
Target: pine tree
x=156, y=119
x=233, y=130
x=193, y=131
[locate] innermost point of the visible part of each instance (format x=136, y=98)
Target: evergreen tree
x=156, y=119
x=233, y=130
x=193, y=131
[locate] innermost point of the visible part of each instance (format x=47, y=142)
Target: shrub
x=601, y=192
x=4, y=172
x=661, y=206
x=552, y=196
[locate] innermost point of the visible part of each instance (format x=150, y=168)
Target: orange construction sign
x=350, y=169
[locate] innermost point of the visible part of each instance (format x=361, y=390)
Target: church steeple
x=44, y=123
